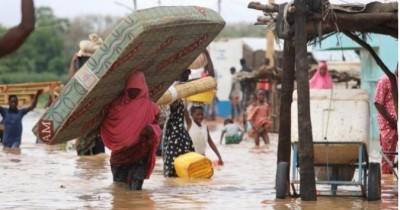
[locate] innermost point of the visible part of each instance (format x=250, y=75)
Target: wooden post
x=270, y=44
x=306, y=151
x=284, y=139
x=273, y=96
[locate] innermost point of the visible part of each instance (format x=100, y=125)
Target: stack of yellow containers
x=193, y=165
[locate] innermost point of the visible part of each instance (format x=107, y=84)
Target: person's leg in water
x=138, y=174
x=120, y=173
x=15, y=144
x=129, y=164
x=139, y=168
x=257, y=139
x=233, y=108
x=238, y=110
x=265, y=137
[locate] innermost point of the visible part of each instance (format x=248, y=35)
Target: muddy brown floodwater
x=45, y=177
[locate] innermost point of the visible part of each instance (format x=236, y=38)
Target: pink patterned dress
x=388, y=136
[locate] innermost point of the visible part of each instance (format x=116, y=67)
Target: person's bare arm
x=222, y=136
x=214, y=148
x=187, y=117
x=210, y=66
x=34, y=102
x=14, y=38
x=381, y=109
x=72, y=66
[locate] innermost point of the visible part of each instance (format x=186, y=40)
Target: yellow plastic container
x=193, y=165
x=206, y=97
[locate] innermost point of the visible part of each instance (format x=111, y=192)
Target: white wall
x=225, y=54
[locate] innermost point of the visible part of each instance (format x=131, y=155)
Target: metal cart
x=335, y=158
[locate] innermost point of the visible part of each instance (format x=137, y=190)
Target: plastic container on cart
x=337, y=115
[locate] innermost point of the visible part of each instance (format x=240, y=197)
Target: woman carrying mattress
x=130, y=130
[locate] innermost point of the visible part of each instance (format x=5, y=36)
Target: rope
x=329, y=113
x=326, y=133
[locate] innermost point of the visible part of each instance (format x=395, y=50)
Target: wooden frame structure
x=26, y=91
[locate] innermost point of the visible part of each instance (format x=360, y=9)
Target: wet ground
x=53, y=177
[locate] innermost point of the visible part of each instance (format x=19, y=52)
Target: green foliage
x=21, y=77
x=42, y=52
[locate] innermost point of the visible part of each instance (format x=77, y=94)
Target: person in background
x=199, y=132
x=321, y=78
x=87, y=48
x=387, y=120
x=264, y=83
x=131, y=131
x=246, y=83
x=176, y=140
x=17, y=35
x=162, y=120
x=233, y=132
x=91, y=143
x=12, y=119
x=235, y=95
x=210, y=109
x=259, y=118
x=251, y=103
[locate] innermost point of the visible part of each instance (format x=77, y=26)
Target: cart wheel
x=281, y=179
x=374, y=182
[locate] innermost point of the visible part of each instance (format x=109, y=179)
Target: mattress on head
x=160, y=41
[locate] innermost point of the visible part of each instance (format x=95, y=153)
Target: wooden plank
x=26, y=91
x=335, y=153
x=339, y=152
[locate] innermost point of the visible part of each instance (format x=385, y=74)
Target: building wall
x=226, y=53
x=387, y=49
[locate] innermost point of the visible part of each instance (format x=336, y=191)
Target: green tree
x=48, y=42
x=44, y=51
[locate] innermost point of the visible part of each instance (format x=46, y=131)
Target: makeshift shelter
x=312, y=21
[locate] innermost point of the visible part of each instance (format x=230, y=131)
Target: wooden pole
x=288, y=71
x=273, y=100
x=270, y=44
x=284, y=138
x=306, y=150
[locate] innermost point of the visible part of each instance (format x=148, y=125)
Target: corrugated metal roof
x=337, y=55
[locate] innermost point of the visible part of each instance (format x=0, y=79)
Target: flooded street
x=45, y=177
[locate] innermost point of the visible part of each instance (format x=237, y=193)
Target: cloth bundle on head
x=88, y=47
x=319, y=81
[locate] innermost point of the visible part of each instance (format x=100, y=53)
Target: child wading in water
x=233, y=132
x=199, y=132
x=260, y=119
